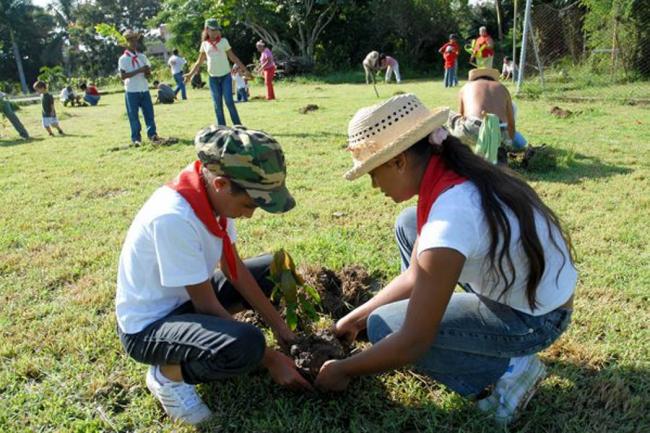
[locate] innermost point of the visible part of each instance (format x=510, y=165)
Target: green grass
x=67, y=202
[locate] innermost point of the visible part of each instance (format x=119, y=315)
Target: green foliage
x=299, y=299
x=53, y=77
x=110, y=31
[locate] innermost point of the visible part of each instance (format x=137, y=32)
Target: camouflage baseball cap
x=252, y=159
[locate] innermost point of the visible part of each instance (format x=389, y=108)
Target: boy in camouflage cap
x=173, y=310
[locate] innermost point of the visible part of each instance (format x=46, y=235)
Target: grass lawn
x=67, y=202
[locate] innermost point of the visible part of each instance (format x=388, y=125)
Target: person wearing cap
x=134, y=70
x=484, y=97
x=453, y=43
x=474, y=224
x=174, y=312
x=267, y=67
x=483, y=49
x=216, y=50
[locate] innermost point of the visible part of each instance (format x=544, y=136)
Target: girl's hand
x=187, y=77
x=283, y=372
x=285, y=336
x=331, y=377
x=348, y=328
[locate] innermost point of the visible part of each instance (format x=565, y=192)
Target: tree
x=13, y=15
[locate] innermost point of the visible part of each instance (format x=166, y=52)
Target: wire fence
x=565, y=60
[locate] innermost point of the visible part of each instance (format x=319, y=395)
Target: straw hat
x=130, y=34
x=379, y=133
x=483, y=72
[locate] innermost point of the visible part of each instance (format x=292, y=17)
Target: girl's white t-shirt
x=166, y=249
x=456, y=220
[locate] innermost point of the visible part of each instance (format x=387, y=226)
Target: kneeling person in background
x=166, y=94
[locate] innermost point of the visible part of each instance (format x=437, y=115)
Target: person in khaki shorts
x=174, y=312
x=483, y=95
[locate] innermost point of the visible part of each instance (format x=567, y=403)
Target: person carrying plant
x=474, y=224
x=483, y=49
x=174, y=312
x=218, y=53
x=134, y=70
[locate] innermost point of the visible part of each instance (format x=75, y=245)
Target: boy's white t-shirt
x=456, y=220
x=166, y=248
x=137, y=83
x=176, y=64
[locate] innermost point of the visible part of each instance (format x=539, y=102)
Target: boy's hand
x=283, y=372
x=331, y=377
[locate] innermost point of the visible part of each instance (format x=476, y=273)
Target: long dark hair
x=497, y=187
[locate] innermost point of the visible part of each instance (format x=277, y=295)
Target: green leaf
x=292, y=318
x=312, y=293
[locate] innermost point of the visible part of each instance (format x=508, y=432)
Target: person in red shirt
x=453, y=43
x=91, y=94
x=450, y=57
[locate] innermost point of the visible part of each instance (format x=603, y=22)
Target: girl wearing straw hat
x=475, y=225
x=216, y=50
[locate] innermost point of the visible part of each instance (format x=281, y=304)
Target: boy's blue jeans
x=221, y=88
x=450, y=77
x=135, y=101
x=477, y=336
x=180, y=85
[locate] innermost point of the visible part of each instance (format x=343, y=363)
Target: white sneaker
x=513, y=391
x=179, y=399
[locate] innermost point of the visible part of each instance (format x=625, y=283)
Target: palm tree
x=12, y=17
x=64, y=12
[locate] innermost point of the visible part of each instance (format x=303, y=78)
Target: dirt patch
x=540, y=159
x=307, y=108
x=560, y=113
x=312, y=351
x=342, y=291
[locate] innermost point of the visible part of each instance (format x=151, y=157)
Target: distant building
x=155, y=40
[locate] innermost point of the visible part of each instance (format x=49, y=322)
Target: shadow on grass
x=575, y=397
x=319, y=134
x=18, y=141
x=569, y=167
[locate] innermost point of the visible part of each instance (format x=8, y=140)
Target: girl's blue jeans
x=450, y=77
x=221, y=88
x=477, y=336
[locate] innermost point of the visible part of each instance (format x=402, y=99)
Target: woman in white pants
x=392, y=67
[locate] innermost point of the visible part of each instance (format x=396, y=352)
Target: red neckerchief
x=214, y=44
x=189, y=184
x=133, y=57
x=436, y=180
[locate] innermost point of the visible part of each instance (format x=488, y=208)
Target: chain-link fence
x=573, y=53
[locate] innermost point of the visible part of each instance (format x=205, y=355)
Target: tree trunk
x=497, y=5
x=19, y=62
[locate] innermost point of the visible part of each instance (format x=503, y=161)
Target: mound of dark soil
x=311, y=351
x=307, y=108
x=562, y=114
